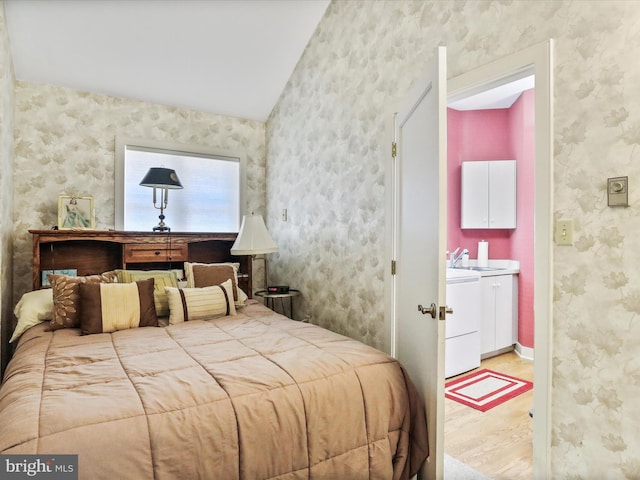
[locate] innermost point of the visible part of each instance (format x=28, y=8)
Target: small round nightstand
x=270, y=300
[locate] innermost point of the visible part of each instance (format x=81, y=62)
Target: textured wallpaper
x=326, y=148
x=7, y=85
x=64, y=143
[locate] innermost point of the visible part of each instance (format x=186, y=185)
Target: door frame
x=539, y=60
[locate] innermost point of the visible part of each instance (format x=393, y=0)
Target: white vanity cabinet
x=488, y=194
x=499, y=328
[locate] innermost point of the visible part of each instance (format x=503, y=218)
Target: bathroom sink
x=479, y=269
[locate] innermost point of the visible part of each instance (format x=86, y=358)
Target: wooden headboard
x=96, y=251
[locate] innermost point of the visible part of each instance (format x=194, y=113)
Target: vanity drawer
x=149, y=253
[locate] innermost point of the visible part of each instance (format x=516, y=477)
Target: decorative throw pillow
x=65, y=297
x=200, y=303
x=33, y=308
x=207, y=274
x=161, y=278
x=108, y=307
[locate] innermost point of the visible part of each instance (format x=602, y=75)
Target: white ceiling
x=502, y=96
x=229, y=57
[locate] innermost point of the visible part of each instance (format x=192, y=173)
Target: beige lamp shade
x=253, y=238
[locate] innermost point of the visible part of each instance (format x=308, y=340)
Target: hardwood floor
x=498, y=442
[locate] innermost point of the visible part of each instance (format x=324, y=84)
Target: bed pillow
x=33, y=308
x=161, y=279
x=109, y=307
x=199, y=303
x=208, y=274
x=65, y=297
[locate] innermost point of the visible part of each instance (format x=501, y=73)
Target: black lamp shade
x=161, y=178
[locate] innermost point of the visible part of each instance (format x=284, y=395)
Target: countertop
x=507, y=267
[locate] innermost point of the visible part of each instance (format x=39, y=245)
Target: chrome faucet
x=456, y=260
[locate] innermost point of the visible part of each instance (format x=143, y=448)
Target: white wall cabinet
x=499, y=328
x=488, y=192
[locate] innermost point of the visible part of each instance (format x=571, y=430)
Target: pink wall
x=503, y=134
x=475, y=135
x=522, y=115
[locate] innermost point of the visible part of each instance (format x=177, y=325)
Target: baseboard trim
x=524, y=352
x=495, y=353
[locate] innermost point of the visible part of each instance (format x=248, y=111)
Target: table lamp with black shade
x=164, y=179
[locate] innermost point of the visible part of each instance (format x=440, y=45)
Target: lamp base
x=161, y=227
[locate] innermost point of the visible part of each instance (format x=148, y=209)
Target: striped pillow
x=162, y=278
x=108, y=307
x=200, y=303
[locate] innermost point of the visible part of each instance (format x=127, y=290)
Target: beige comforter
x=253, y=396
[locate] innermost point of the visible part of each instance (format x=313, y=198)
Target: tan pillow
x=65, y=297
x=33, y=308
x=200, y=303
x=161, y=278
x=109, y=307
x=207, y=274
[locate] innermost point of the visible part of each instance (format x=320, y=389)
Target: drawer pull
x=157, y=252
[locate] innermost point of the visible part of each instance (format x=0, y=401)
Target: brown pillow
x=209, y=275
x=108, y=307
x=65, y=297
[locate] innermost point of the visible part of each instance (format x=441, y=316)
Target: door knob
x=444, y=310
x=432, y=310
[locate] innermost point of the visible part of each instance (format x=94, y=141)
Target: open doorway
x=493, y=127
x=534, y=62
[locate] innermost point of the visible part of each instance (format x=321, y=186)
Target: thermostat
x=618, y=192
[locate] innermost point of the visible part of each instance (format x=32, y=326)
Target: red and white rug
x=485, y=389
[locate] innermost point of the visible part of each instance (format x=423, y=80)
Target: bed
x=250, y=395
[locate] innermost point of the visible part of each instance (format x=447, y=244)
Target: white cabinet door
x=499, y=328
x=502, y=194
x=475, y=195
x=504, y=301
x=488, y=321
x=488, y=194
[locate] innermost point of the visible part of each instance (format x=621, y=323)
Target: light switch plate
x=618, y=192
x=564, y=232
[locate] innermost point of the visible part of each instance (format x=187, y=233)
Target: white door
x=419, y=247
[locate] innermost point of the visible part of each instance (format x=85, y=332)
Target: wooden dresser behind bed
x=97, y=251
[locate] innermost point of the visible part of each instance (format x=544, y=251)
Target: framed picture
x=75, y=213
x=70, y=272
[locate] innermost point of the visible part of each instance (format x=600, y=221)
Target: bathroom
x=501, y=132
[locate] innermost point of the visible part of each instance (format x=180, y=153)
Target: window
x=210, y=201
